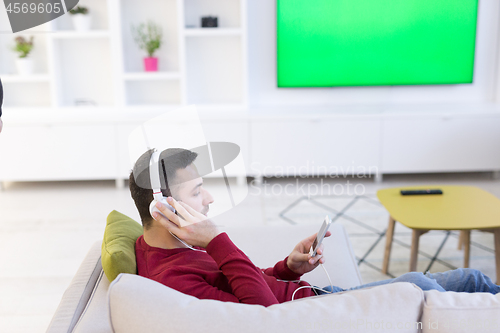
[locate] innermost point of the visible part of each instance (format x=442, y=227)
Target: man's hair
x=171, y=160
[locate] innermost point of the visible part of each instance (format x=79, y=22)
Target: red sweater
x=224, y=273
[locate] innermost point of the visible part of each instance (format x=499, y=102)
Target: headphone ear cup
x=152, y=206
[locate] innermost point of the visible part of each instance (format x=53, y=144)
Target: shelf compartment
x=26, y=94
x=214, y=70
x=134, y=12
x=98, y=11
x=8, y=56
x=228, y=12
x=87, y=77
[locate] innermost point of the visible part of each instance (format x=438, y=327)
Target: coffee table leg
x=466, y=241
x=497, y=253
x=460, y=240
x=414, y=249
x=389, y=234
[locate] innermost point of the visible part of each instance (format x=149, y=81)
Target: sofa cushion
x=118, y=245
x=137, y=304
x=452, y=312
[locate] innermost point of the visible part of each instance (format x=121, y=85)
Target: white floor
x=47, y=228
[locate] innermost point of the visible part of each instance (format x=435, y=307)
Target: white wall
x=262, y=69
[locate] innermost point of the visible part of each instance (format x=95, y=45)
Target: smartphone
x=321, y=234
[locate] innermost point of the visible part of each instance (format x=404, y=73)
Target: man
x=214, y=268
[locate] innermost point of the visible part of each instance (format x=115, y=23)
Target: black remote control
x=421, y=192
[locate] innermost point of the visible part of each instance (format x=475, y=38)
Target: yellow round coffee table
x=458, y=208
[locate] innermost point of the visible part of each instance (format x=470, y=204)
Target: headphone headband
x=154, y=175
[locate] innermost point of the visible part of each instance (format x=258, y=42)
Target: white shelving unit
x=103, y=67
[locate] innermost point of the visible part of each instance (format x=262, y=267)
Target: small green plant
x=23, y=46
x=148, y=37
x=79, y=10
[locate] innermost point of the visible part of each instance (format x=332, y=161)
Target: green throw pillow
x=118, y=245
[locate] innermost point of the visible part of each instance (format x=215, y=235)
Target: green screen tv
x=335, y=43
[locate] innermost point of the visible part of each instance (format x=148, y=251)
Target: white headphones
x=154, y=176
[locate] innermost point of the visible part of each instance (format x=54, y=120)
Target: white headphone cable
x=317, y=288
x=186, y=245
x=310, y=287
x=328, y=276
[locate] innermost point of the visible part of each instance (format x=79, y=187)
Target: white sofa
x=135, y=304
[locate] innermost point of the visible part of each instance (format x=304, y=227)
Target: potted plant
x=81, y=18
x=24, y=46
x=149, y=38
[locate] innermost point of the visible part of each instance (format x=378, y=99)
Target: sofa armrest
x=78, y=293
x=460, y=312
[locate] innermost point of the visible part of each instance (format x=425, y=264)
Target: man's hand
x=300, y=261
x=198, y=229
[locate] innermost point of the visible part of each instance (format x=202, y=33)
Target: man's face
x=190, y=189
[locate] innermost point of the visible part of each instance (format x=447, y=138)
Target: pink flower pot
x=151, y=64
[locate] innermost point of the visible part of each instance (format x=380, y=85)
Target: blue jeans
x=460, y=280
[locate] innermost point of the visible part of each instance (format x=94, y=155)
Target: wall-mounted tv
x=332, y=43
